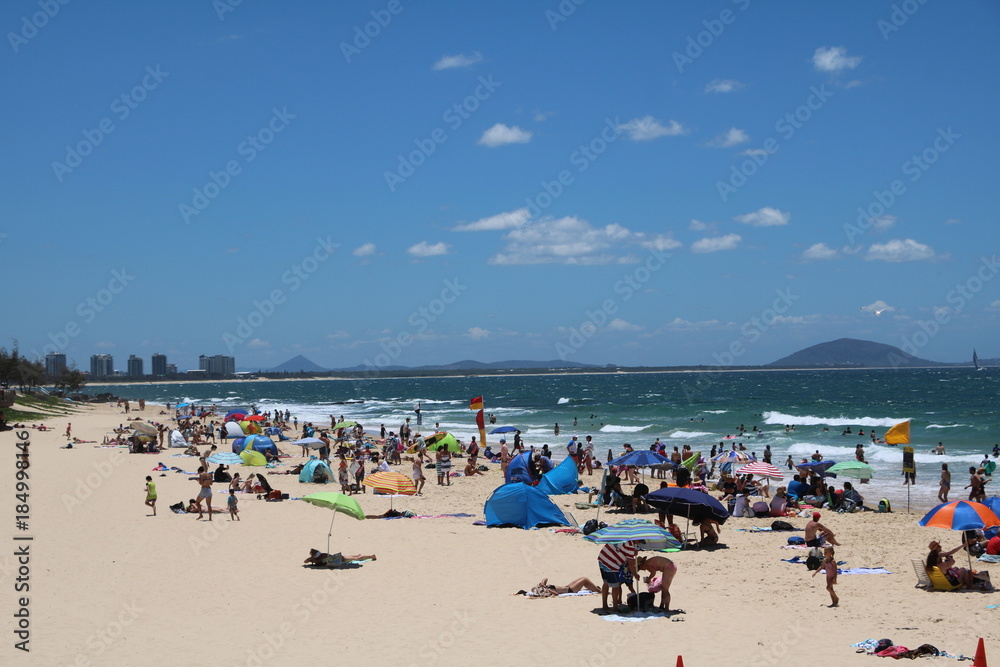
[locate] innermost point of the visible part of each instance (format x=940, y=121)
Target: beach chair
x=940, y=581
x=923, y=581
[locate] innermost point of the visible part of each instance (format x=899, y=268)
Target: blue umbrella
x=225, y=458
x=819, y=467
x=632, y=532
x=503, y=429
x=641, y=457
x=183, y=405
x=694, y=505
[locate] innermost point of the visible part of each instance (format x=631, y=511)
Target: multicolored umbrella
x=855, y=469
x=961, y=515
x=143, y=427
x=819, y=467
x=731, y=457
x=443, y=439
x=761, y=469
x=633, y=532
x=337, y=502
x=391, y=483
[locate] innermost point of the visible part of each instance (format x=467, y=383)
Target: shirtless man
x=205, y=480
x=816, y=533
x=504, y=456
x=666, y=569
x=977, y=492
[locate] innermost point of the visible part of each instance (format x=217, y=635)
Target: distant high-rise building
x=134, y=366
x=159, y=364
x=102, y=365
x=219, y=364
x=55, y=364
x=171, y=369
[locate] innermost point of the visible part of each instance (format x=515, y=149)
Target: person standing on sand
x=151, y=494
x=69, y=430
x=945, y=483
x=234, y=512
x=205, y=480
x=829, y=566
x=617, y=565
x=418, y=473
x=504, y=456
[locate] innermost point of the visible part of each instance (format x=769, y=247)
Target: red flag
x=476, y=403
x=482, y=427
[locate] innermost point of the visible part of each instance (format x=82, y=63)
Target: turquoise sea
x=955, y=406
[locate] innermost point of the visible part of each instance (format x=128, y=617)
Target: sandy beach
x=111, y=585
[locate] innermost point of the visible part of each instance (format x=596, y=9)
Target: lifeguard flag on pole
x=898, y=434
x=476, y=403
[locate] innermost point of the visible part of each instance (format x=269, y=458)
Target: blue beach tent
x=309, y=471
x=517, y=469
x=238, y=444
x=561, y=479
x=522, y=506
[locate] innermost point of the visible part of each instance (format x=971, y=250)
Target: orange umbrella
x=390, y=482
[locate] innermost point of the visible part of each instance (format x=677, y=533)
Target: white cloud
x=819, y=251
x=995, y=304
x=834, y=59
x=364, y=250
x=723, y=86
x=500, y=221
x=477, y=333
x=338, y=334
x=900, y=250
x=698, y=226
x=647, y=127
x=542, y=116
x=619, y=324
x=883, y=222
x=568, y=240
x=733, y=137
x=500, y=134
x=460, y=60
x=661, y=242
x=424, y=249
x=764, y=217
x=716, y=243
x=257, y=344
x=680, y=324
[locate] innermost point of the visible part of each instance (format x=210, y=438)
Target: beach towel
x=638, y=616
x=531, y=594
x=862, y=570
x=990, y=558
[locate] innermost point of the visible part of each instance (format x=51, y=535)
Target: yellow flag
x=898, y=434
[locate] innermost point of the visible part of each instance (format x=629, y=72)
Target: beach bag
x=796, y=540
x=640, y=602
x=589, y=527
x=884, y=506
x=781, y=525
x=274, y=495
x=814, y=559
x=761, y=509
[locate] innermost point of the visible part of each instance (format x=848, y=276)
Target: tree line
x=25, y=374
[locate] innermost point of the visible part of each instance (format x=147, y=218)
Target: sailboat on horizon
x=975, y=360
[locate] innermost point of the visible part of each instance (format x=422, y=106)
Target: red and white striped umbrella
x=761, y=469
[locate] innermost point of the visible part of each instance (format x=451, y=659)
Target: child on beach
x=830, y=567
x=234, y=512
x=345, y=484
x=151, y=494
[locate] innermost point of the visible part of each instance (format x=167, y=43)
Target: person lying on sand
x=546, y=590
x=317, y=557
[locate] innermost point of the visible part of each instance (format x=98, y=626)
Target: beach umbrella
x=256, y=418
x=443, y=439
x=503, y=429
x=961, y=515
x=761, y=469
x=821, y=468
x=337, y=502
x=235, y=416
x=391, y=483
x=311, y=443
x=183, y=405
x=143, y=428
x=225, y=458
x=628, y=531
x=688, y=503
x=639, y=458
x=345, y=424
x=855, y=469
x=252, y=458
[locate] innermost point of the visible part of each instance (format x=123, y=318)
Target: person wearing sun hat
x=817, y=534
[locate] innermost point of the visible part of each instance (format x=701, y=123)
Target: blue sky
x=636, y=183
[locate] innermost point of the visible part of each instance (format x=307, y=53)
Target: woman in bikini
x=546, y=590
x=661, y=573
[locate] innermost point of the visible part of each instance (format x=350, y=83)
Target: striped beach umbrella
x=391, y=482
x=761, y=469
x=632, y=532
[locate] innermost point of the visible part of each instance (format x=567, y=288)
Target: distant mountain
x=851, y=353
x=298, y=364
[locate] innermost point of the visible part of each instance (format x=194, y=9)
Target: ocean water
x=955, y=406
